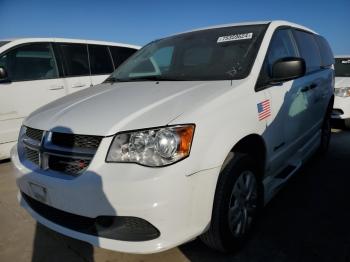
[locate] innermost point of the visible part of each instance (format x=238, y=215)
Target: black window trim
x=110, y=56
x=51, y=43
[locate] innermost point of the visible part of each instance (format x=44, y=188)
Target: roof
x=67, y=40
x=275, y=22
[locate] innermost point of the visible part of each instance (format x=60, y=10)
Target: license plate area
x=38, y=192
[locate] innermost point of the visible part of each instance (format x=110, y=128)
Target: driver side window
x=30, y=62
x=282, y=45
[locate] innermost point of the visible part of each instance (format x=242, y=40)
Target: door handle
x=56, y=87
x=305, y=89
x=78, y=85
x=312, y=86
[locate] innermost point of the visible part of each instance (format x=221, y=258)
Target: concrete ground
x=309, y=220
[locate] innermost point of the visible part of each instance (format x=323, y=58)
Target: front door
x=289, y=103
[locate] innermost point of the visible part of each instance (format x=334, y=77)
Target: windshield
x=3, y=43
x=342, y=66
x=212, y=54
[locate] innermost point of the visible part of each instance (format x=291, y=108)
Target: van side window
x=30, y=62
x=308, y=49
x=100, y=60
x=282, y=45
x=75, y=59
x=325, y=51
x=120, y=54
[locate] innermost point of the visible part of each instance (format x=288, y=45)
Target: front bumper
x=341, y=108
x=172, y=199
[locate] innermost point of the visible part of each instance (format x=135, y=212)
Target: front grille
x=79, y=141
x=68, y=165
x=34, y=134
x=32, y=155
x=66, y=153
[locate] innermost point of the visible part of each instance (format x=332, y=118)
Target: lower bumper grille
x=112, y=227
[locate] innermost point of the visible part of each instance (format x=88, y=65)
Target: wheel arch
x=252, y=145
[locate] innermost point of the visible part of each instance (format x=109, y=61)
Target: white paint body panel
x=176, y=199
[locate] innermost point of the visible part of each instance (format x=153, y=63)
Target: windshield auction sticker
x=229, y=38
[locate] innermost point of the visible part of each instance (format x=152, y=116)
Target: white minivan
x=342, y=89
x=189, y=137
x=36, y=71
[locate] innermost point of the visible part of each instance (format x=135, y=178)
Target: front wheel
x=236, y=204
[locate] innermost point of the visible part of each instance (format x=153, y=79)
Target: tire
x=347, y=123
x=233, y=211
x=326, y=134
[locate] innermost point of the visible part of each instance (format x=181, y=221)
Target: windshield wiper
x=112, y=80
x=154, y=78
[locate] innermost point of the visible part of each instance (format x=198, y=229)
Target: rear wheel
x=236, y=204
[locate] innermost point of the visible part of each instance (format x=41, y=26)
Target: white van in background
x=36, y=71
x=342, y=89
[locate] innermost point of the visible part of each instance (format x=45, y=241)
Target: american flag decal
x=264, y=109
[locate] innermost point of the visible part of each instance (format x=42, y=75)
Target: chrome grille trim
x=69, y=156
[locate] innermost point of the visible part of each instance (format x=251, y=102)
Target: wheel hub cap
x=243, y=203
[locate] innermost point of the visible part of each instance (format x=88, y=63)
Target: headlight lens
x=152, y=147
x=342, y=91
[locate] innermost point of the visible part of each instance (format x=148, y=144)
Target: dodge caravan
x=189, y=137
x=36, y=71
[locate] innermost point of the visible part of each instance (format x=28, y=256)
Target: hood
x=110, y=108
x=342, y=82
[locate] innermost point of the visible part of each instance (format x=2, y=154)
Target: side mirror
x=288, y=68
x=3, y=75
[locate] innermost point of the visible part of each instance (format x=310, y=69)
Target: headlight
x=152, y=147
x=342, y=91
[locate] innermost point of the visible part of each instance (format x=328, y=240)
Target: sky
x=139, y=22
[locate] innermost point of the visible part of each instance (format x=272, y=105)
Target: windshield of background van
x=211, y=54
x=342, y=66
